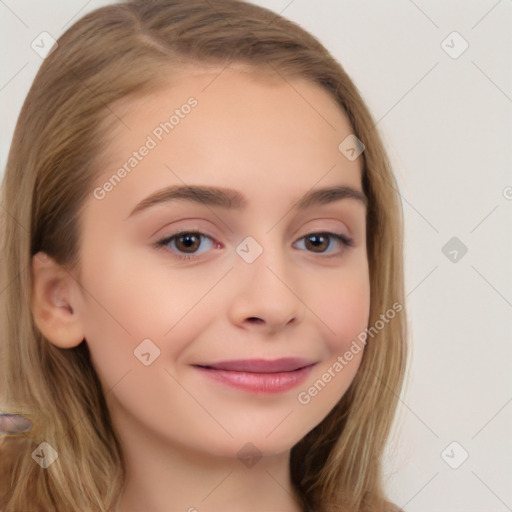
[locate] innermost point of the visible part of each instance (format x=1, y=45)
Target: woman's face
x=220, y=317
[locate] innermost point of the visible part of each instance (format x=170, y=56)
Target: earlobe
x=52, y=303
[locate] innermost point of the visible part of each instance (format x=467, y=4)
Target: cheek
x=345, y=312
x=344, y=305
x=123, y=307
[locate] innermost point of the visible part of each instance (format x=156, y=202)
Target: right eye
x=185, y=244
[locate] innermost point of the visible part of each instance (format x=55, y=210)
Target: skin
x=273, y=141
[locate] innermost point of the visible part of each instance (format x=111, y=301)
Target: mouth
x=259, y=375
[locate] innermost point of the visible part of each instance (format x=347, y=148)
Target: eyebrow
x=232, y=199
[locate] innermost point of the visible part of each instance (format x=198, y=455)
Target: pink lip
x=259, y=375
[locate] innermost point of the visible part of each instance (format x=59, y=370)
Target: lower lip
x=258, y=382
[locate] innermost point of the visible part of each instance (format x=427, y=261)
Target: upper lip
x=286, y=364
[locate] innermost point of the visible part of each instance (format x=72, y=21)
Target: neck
x=164, y=477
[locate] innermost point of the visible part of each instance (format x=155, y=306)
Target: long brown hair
x=112, y=53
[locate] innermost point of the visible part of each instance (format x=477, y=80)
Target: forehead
x=230, y=126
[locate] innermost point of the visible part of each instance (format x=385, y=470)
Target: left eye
x=186, y=244
x=320, y=242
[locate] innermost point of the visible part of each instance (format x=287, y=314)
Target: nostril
x=255, y=319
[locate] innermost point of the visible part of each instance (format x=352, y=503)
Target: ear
x=52, y=302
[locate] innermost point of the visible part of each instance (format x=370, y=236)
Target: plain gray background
x=446, y=118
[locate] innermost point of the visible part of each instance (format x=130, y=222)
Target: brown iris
x=190, y=243
x=317, y=242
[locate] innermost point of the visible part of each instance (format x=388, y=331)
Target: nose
x=266, y=298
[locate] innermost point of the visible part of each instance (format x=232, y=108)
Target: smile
x=258, y=375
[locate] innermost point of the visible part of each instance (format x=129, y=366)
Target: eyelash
x=162, y=244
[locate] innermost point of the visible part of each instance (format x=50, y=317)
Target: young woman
x=203, y=303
